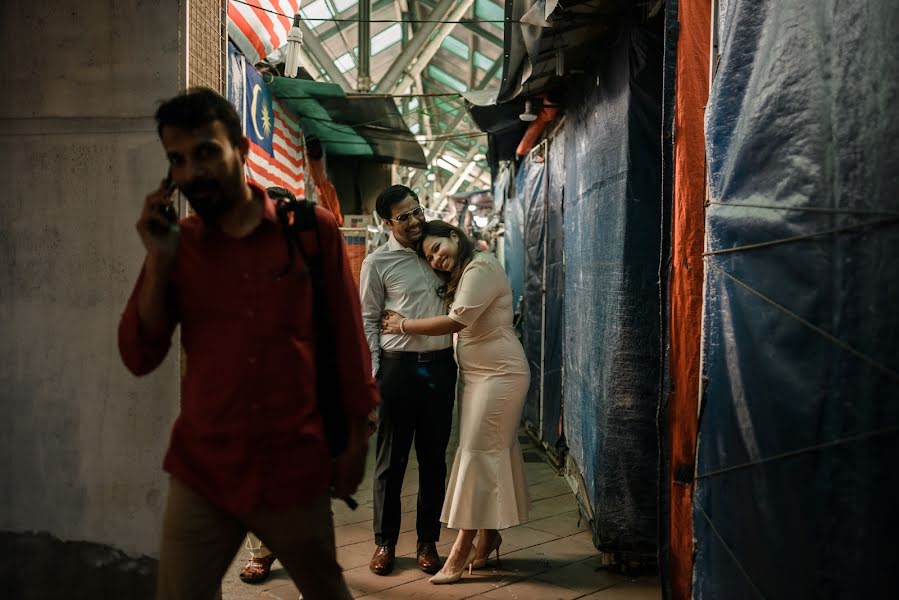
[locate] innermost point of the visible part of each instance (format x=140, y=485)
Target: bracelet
x=403, y=325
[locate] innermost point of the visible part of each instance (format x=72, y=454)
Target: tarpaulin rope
x=796, y=238
x=730, y=552
x=835, y=340
x=792, y=453
x=817, y=209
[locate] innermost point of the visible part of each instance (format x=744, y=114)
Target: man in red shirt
x=248, y=450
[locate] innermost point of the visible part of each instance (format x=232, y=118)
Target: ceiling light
x=472, y=208
x=480, y=157
x=294, y=42
x=431, y=177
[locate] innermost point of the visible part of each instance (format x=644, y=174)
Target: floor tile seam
x=602, y=589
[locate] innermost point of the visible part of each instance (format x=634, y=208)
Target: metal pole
x=363, y=80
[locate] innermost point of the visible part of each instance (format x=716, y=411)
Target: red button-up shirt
x=249, y=435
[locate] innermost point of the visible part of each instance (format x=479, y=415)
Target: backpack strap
x=300, y=228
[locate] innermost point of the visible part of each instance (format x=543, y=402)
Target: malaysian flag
x=276, y=155
x=259, y=27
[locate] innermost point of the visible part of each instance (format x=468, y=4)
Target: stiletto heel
x=441, y=577
x=480, y=563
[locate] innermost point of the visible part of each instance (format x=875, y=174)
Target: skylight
x=316, y=10
x=489, y=11
x=386, y=38
x=345, y=62
x=342, y=5
x=456, y=46
x=452, y=160
x=482, y=61
x=439, y=75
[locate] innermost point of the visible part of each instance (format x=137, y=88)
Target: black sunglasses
x=403, y=217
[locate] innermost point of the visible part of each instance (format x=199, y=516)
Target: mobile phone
x=168, y=211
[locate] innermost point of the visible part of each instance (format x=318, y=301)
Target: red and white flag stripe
x=259, y=27
x=287, y=167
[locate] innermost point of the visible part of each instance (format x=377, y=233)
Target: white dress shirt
x=395, y=278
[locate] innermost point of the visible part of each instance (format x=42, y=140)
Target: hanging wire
x=792, y=453
x=828, y=336
x=813, y=209
x=730, y=552
x=354, y=20
x=807, y=236
x=418, y=109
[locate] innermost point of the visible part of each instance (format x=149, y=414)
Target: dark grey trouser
x=416, y=402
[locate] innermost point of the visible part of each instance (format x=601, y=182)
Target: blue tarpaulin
x=612, y=215
x=531, y=194
x=798, y=457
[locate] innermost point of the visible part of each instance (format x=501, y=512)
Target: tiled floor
x=551, y=557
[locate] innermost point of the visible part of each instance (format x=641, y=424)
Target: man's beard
x=212, y=202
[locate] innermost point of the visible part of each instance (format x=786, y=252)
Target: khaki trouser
x=199, y=542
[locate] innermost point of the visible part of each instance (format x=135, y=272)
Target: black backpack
x=295, y=217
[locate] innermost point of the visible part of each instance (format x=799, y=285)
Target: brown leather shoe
x=257, y=569
x=428, y=560
x=382, y=561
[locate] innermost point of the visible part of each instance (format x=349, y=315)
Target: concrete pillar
x=81, y=440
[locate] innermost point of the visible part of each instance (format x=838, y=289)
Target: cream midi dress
x=487, y=487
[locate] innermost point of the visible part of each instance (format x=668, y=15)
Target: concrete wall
x=81, y=440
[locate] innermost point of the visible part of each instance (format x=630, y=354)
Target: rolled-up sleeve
x=371, y=291
x=358, y=391
x=141, y=352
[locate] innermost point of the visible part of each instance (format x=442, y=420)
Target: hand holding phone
x=158, y=223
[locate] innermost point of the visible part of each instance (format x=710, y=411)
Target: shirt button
x=251, y=314
x=252, y=360
x=254, y=406
x=246, y=276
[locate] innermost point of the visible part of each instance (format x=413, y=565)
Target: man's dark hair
x=196, y=107
x=390, y=196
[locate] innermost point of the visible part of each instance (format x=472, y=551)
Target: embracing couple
x=424, y=285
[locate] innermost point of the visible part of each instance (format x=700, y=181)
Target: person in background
x=487, y=490
x=248, y=449
x=417, y=379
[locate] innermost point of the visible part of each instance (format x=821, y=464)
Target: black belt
x=422, y=357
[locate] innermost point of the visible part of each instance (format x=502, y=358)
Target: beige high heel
x=480, y=563
x=441, y=577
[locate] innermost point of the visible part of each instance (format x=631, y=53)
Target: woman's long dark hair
x=466, y=252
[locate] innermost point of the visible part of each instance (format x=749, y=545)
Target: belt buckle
x=423, y=357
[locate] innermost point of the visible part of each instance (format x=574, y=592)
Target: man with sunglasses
x=417, y=379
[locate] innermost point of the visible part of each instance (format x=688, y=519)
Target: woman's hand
x=391, y=322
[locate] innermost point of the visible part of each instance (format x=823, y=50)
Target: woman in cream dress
x=487, y=490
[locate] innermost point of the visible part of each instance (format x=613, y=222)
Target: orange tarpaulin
x=324, y=189
x=691, y=95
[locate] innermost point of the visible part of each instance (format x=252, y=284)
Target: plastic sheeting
x=612, y=249
x=531, y=194
x=798, y=460
x=689, y=95
x=513, y=243
x=554, y=315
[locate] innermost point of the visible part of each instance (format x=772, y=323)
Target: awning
x=350, y=125
x=544, y=41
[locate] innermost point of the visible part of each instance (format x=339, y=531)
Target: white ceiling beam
x=318, y=52
x=433, y=45
x=411, y=52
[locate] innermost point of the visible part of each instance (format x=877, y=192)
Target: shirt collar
x=268, y=207
x=395, y=246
